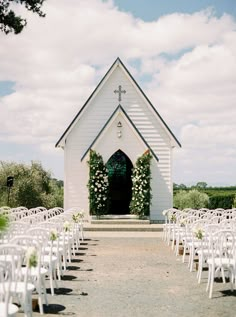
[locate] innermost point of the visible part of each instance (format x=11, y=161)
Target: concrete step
x=120, y=222
x=124, y=227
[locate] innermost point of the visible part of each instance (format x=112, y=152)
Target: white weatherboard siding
x=93, y=127
x=130, y=143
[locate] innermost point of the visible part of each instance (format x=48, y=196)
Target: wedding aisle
x=133, y=274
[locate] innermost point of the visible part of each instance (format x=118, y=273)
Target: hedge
x=224, y=201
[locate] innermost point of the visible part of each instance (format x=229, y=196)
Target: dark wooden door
x=120, y=184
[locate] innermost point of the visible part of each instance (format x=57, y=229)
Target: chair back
x=5, y=284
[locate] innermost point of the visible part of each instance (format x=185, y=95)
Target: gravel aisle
x=114, y=276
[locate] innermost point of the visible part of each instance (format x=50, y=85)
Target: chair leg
x=51, y=280
x=27, y=304
x=211, y=281
x=200, y=268
x=40, y=304
x=184, y=253
x=44, y=292
x=223, y=275
x=41, y=293
x=59, y=267
x=177, y=245
x=54, y=275
x=191, y=260
x=231, y=280
x=208, y=279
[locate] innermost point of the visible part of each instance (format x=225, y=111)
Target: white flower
x=182, y=222
x=66, y=226
x=53, y=235
x=165, y=212
x=199, y=233
x=80, y=214
x=31, y=257
x=172, y=218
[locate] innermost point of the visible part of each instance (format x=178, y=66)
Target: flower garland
x=141, y=189
x=98, y=184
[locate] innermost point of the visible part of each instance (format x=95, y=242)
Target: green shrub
x=181, y=199
x=191, y=199
x=225, y=201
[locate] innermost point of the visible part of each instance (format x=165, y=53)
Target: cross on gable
x=119, y=91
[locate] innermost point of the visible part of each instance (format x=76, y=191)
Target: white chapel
x=119, y=122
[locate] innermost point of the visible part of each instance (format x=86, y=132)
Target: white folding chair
x=222, y=257
x=7, y=309
x=20, y=288
x=35, y=274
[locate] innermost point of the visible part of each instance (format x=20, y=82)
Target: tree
x=33, y=186
x=202, y=185
x=10, y=22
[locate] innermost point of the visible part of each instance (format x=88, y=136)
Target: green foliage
x=97, y=185
x=219, y=197
x=33, y=186
x=141, y=189
x=201, y=185
x=179, y=187
x=181, y=199
x=55, y=196
x=211, y=191
x=191, y=199
x=10, y=22
x=4, y=222
x=225, y=201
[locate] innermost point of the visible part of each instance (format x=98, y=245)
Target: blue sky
x=150, y=10
x=182, y=53
x=6, y=87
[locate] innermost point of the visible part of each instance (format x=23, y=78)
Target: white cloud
x=57, y=61
x=196, y=94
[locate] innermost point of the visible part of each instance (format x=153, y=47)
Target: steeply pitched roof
x=119, y=109
x=117, y=62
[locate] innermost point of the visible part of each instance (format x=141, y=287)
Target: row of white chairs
x=211, y=238
x=19, y=213
x=175, y=216
x=54, y=235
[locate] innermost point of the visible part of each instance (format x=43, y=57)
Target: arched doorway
x=120, y=184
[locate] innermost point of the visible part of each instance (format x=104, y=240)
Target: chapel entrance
x=120, y=184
